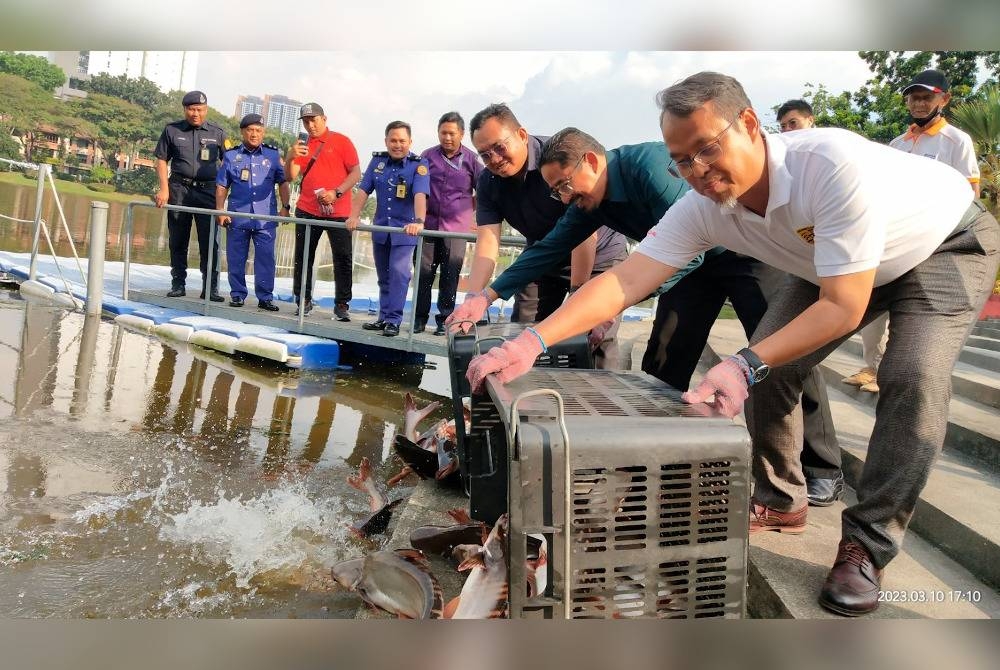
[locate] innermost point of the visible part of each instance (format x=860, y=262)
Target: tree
x=119, y=123
x=101, y=174
x=33, y=68
x=9, y=148
x=980, y=118
x=139, y=91
x=25, y=105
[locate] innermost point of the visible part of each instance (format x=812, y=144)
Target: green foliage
x=102, y=187
x=141, y=91
x=980, y=117
x=9, y=148
x=140, y=180
x=33, y=68
x=102, y=175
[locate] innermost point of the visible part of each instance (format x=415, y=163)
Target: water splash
x=276, y=532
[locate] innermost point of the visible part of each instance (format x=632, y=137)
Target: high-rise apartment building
x=249, y=104
x=281, y=112
x=169, y=70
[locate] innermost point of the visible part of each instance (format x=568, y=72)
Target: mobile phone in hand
x=304, y=138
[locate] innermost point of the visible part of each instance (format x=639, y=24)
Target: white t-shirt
x=838, y=204
x=943, y=142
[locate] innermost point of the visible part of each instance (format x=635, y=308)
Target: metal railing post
x=95, y=256
x=416, y=286
x=306, y=264
x=127, y=251
x=43, y=171
x=209, y=265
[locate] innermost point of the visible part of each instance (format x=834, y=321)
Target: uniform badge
x=238, y=159
x=380, y=167
x=806, y=234
x=422, y=170
x=266, y=163
x=228, y=144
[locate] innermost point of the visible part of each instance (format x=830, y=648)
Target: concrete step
x=786, y=573
x=984, y=329
x=959, y=509
x=984, y=358
x=984, y=342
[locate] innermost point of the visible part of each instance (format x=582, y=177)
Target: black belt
x=974, y=210
x=192, y=182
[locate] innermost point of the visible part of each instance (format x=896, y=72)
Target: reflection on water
x=140, y=479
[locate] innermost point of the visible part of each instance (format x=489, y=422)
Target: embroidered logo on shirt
x=806, y=234
x=421, y=170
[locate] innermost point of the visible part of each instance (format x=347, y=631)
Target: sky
x=609, y=94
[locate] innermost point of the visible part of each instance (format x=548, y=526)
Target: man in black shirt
x=193, y=147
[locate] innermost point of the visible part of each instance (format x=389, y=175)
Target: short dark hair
x=685, y=97
x=797, y=105
x=398, y=124
x=452, y=117
x=499, y=111
x=568, y=146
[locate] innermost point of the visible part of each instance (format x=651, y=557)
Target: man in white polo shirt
x=929, y=135
x=815, y=203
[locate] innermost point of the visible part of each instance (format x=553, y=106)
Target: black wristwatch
x=338, y=192
x=758, y=368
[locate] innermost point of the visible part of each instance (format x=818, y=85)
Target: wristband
x=534, y=332
x=483, y=293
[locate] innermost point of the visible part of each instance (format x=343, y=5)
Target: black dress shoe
x=309, y=308
x=419, y=326
x=851, y=588
x=267, y=306
x=215, y=297
x=340, y=312
x=391, y=330
x=176, y=292
x=440, y=330
x=375, y=325
x=823, y=492
x=236, y=302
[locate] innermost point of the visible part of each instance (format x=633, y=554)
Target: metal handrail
x=309, y=223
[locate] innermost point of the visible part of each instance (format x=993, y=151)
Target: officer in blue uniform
x=248, y=175
x=191, y=149
x=401, y=184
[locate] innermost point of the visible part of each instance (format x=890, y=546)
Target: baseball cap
x=194, y=98
x=251, y=119
x=311, y=109
x=931, y=80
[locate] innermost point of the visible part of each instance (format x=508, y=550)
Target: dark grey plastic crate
x=658, y=492
x=485, y=478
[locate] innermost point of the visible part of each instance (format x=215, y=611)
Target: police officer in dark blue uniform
x=248, y=175
x=193, y=147
x=401, y=183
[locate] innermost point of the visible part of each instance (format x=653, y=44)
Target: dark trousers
x=538, y=299
x=684, y=318
x=931, y=310
x=179, y=234
x=394, y=267
x=446, y=254
x=342, y=247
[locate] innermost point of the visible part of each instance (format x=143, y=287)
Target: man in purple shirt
x=450, y=207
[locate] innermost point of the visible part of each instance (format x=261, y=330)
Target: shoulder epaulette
x=380, y=154
x=271, y=146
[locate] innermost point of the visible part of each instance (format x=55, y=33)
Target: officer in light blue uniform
x=401, y=183
x=248, y=175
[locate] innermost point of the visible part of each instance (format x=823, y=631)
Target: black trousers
x=447, y=255
x=342, y=247
x=538, y=299
x=684, y=318
x=179, y=233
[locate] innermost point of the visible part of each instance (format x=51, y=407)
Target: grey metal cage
x=658, y=493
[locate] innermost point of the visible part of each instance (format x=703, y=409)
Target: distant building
x=169, y=70
x=249, y=104
x=281, y=113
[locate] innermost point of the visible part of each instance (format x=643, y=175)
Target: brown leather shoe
x=765, y=518
x=851, y=588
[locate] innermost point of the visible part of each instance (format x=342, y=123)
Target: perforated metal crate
x=485, y=478
x=658, y=493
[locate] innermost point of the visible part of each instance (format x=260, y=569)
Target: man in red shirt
x=330, y=168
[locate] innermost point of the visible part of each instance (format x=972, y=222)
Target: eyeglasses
x=564, y=187
x=708, y=154
x=500, y=150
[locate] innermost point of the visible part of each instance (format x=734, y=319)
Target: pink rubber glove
x=472, y=309
x=729, y=381
x=597, y=333
x=511, y=360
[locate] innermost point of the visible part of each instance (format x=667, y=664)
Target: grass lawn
x=71, y=187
